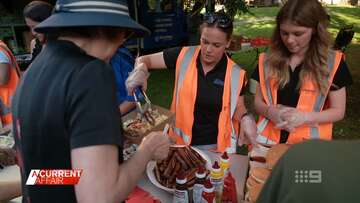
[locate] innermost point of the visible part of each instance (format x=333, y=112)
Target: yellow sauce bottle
x=225, y=163
x=216, y=179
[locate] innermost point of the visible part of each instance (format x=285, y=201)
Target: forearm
x=261, y=108
x=336, y=111
x=103, y=178
x=152, y=61
x=9, y=190
x=240, y=109
x=126, y=106
x=328, y=116
x=130, y=173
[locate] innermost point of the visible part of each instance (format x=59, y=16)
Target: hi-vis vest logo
x=54, y=177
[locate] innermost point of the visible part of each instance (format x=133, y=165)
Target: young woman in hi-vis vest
x=208, y=97
x=302, y=82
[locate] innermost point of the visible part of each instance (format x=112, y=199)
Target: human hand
x=7, y=156
x=137, y=78
x=156, y=144
x=294, y=118
x=248, y=130
x=274, y=114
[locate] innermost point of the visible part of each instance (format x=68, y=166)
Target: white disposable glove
x=294, y=119
x=137, y=78
x=248, y=131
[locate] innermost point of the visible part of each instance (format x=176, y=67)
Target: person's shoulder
x=73, y=55
x=320, y=148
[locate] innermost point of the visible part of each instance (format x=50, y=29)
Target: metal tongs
x=145, y=111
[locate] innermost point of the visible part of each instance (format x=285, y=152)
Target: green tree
x=232, y=7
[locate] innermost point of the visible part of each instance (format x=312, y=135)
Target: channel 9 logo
x=308, y=176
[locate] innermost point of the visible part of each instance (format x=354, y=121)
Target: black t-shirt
x=208, y=102
x=289, y=95
x=66, y=100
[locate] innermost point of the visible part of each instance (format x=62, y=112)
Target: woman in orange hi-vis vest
x=301, y=81
x=9, y=77
x=207, y=100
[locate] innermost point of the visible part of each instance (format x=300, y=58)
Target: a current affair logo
x=54, y=177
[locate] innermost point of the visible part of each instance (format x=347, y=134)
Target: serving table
x=238, y=166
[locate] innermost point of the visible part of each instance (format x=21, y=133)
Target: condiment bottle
x=216, y=179
x=229, y=192
x=181, y=193
x=200, y=177
x=225, y=163
x=208, y=194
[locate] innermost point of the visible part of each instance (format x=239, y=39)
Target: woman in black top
x=299, y=55
x=210, y=67
x=34, y=13
x=65, y=109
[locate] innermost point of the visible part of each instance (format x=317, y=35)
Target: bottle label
x=218, y=187
x=181, y=196
x=209, y=198
x=197, y=191
x=217, y=183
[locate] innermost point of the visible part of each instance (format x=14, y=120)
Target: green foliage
x=235, y=7
x=232, y=7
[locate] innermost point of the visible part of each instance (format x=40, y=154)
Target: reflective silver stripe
x=320, y=99
x=93, y=6
x=4, y=109
x=264, y=140
x=184, y=65
x=267, y=82
x=234, y=89
x=314, y=133
x=261, y=126
x=185, y=137
x=235, y=79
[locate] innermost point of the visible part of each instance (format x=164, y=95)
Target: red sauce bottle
x=208, y=194
x=181, y=193
x=200, y=177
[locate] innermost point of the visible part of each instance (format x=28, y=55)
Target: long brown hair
x=306, y=13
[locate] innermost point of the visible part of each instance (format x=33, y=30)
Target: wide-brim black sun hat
x=91, y=13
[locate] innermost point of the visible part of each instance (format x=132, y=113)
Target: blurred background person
x=123, y=63
x=9, y=78
x=34, y=13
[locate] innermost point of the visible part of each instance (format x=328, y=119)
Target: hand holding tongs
x=144, y=111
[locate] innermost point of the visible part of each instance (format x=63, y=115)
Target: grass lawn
x=260, y=22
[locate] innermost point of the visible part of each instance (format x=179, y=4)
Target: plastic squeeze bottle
x=181, y=194
x=225, y=163
x=208, y=194
x=200, y=177
x=216, y=179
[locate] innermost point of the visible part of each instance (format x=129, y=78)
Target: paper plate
x=151, y=165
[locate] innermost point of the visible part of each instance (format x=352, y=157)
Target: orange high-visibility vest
x=310, y=100
x=184, y=97
x=7, y=91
